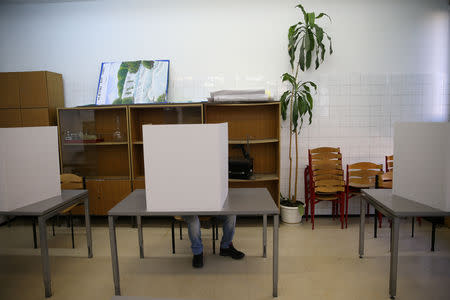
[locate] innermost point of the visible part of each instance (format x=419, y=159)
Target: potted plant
x=306, y=43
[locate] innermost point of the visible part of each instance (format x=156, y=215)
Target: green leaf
x=310, y=36
x=319, y=33
x=310, y=100
x=323, y=14
x=311, y=18
x=294, y=117
x=301, y=59
x=288, y=77
x=305, y=15
x=308, y=59
x=331, y=46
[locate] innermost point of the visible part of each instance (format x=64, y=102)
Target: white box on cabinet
x=186, y=167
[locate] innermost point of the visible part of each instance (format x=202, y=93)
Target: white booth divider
x=29, y=166
x=186, y=167
x=422, y=163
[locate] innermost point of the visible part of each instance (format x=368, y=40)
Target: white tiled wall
x=355, y=112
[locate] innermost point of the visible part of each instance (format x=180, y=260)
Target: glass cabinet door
x=94, y=142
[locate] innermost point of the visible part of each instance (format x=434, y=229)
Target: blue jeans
x=229, y=223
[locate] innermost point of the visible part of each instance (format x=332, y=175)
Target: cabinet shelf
x=257, y=177
x=96, y=144
x=255, y=141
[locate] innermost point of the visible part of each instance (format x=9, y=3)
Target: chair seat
x=361, y=186
x=326, y=197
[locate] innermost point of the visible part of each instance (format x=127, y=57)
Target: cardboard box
x=422, y=163
x=29, y=166
x=186, y=167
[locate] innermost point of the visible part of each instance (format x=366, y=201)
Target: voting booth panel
x=422, y=163
x=29, y=166
x=186, y=167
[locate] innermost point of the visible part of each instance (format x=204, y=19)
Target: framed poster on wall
x=133, y=82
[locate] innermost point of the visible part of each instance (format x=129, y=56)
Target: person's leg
x=194, y=234
x=229, y=224
x=226, y=245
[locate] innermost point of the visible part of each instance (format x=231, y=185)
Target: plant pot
x=291, y=215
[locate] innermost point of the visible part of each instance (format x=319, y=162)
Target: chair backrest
x=384, y=181
x=71, y=182
x=363, y=174
x=325, y=165
x=389, y=163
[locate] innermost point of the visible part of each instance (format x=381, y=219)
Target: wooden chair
x=314, y=154
x=327, y=180
x=70, y=182
x=360, y=175
x=384, y=181
x=389, y=163
x=210, y=220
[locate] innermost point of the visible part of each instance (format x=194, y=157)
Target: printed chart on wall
x=133, y=82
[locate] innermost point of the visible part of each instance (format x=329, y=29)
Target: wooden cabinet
x=30, y=98
x=94, y=144
x=104, y=194
x=257, y=124
x=156, y=114
x=113, y=164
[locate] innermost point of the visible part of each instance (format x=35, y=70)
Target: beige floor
x=319, y=264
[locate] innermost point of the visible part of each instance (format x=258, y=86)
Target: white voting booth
x=186, y=167
x=422, y=163
x=29, y=166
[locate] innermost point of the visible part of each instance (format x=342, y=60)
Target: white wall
x=390, y=63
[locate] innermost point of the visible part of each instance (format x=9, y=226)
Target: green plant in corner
x=305, y=43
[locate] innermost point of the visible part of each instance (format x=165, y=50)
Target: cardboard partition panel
x=29, y=166
x=186, y=167
x=422, y=163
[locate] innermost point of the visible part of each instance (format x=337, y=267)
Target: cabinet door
x=33, y=89
x=112, y=192
x=9, y=90
x=10, y=118
x=35, y=117
x=93, y=187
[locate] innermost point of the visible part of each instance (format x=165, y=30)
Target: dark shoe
x=231, y=251
x=197, y=260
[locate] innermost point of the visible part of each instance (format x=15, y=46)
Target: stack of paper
x=239, y=95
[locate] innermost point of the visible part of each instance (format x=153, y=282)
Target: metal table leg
x=265, y=236
x=362, y=223
x=33, y=220
x=412, y=227
x=433, y=235
x=275, y=255
x=140, y=236
x=114, y=259
x=394, y=257
x=375, y=224
x=44, y=256
x=87, y=220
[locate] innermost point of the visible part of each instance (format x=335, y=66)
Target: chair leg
x=71, y=228
x=312, y=212
x=419, y=220
x=213, y=238
x=433, y=235
x=173, y=236
x=217, y=229
x=346, y=210
x=412, y=227
x=181, y=231
x=333, y=210
x=342, y=210
x=380, y=219
x=53, y=226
